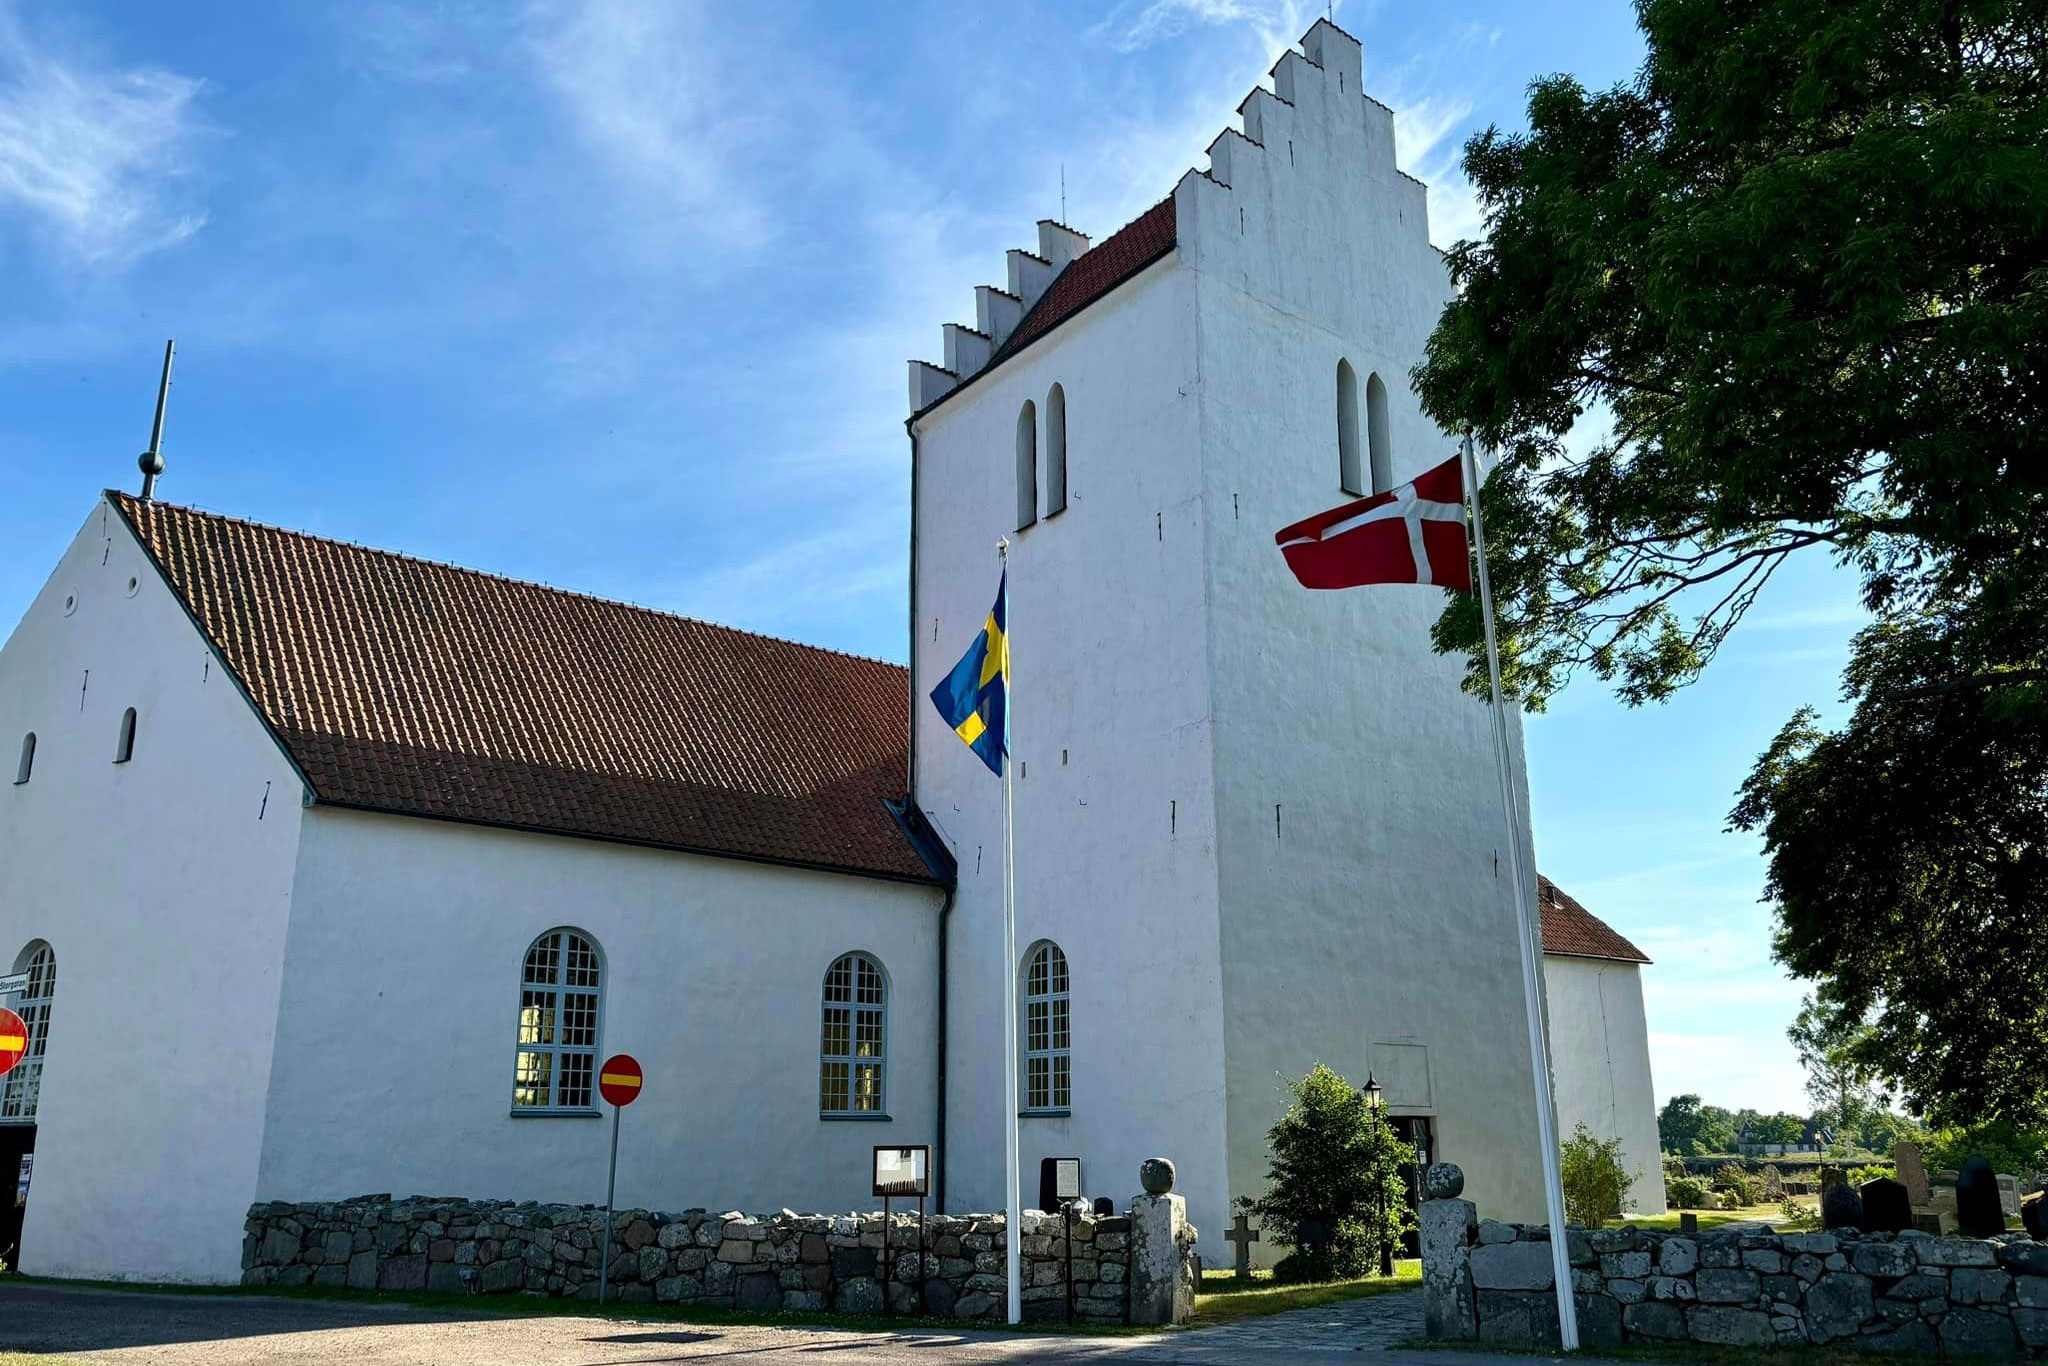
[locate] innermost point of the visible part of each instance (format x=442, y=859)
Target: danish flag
x=1415, y=534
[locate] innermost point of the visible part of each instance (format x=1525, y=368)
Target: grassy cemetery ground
x=1773, y=1214
x=1223, y=1297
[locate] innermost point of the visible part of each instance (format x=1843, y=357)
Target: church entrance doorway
x=17, y=1141
x=1420, y=1132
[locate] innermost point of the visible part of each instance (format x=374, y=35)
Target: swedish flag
x=975, y=697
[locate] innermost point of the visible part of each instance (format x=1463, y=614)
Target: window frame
x=1055, y=450
x=1379, y=438
x=25, y=767
x=1027, y=465
x=1352, y=472
x=34, y=1005
x=853, y=1058
x=1058, y=992
x=559, y=987
x=124, y=743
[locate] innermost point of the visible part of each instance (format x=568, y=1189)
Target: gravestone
x=1688, y=1222
x=2034, y=1216
x=1912, y=1172
x=1311, y=1238
x=1841, y=1207
x=1886, y=1208
x=1978, y=1212
x=1243, y=1235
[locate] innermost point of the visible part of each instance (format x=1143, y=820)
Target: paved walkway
x=116, y=1329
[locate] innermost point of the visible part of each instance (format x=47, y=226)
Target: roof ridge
x=129, y=500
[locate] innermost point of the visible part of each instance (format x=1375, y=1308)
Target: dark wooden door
x=16, y=1140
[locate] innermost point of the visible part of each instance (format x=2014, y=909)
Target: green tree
x=1690, y=1129
x=1838, y=1075
x=1595, y=1181
x=1794, y=276
x=1782, y=1128
x=1335, y=1162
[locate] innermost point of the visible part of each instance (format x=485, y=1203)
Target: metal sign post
x=901, y=1171
x=618, y=1081
x=1066, y=1193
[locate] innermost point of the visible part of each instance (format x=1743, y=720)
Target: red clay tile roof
x=1094, y=273
x=1572, y=931
x=1086, y=278
x=406, y=686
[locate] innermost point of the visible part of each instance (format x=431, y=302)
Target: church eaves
x=415, y=688
x=1572, y=931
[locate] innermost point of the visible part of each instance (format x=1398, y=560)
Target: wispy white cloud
x=96, y=156
x=643, y=87
x=1137, y=24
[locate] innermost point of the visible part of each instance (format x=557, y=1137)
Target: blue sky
x=617, y=296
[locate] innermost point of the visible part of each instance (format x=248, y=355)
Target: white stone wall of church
x=397, y=1033
x=1600, y=1059
x=1366, y=918
x=1116, y=854
x=162, y=886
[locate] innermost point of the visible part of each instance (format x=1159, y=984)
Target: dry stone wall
x=1908, y=1292
x=786, y=1261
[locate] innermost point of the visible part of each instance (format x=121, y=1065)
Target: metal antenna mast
x=151, y=461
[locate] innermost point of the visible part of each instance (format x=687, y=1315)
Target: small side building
x=1599, y=1041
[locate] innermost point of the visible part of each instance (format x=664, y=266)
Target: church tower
x=1257, y=827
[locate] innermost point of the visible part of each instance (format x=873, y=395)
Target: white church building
x=336, y=871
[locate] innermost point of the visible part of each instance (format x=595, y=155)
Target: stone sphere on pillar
x=1156, y=1174
x=1443, y=1181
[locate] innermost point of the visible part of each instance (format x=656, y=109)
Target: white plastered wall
x=1366, y=916
x=162, y=885
x=1600, y=1050
x=396, y=1040
x=1115, y=845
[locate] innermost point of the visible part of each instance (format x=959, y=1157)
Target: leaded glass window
x=853, y=1048
x=561, y=998
x=23, y=1087
x=1048, y=1030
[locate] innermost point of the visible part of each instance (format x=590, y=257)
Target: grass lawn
x=1224, y=1298
x=1711, y=1218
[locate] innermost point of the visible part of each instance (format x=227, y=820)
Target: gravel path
x=230, y=1330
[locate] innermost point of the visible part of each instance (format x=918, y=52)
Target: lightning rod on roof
x=151, y=461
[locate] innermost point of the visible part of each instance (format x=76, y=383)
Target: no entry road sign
x=13, y=1040
x=618, y=1081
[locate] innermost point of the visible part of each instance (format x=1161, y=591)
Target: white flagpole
x=1013, y=1227
x=1539, y=1053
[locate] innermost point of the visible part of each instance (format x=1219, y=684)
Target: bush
x=2007, y=1147
x=1335, y=1161
x=1856, y=1176
x=1687, y=1192
x=1801, y=1218
x=1595, y=1182
x=1739, y=1188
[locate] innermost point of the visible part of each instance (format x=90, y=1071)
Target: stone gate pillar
x=1162, y=1249
x=1447, y=1226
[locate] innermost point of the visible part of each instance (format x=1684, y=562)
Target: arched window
x=1048, y=1030
x=1376, y=434
x=1055, y=451
x=1350, y=473
x=855, y=1041
x=1027, y=464
x=124, y=747
x=23, y=1087
x=28, y=759
x=561, y=995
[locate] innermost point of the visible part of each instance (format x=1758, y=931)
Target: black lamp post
x=1376, y=1101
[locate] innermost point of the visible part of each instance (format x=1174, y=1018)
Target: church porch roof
x=1572, y=931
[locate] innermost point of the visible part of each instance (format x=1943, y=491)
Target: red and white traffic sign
x=618, y=1081
x=14, y=1040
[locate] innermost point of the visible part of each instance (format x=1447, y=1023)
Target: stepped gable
x=1572, y=931
x=405, y=686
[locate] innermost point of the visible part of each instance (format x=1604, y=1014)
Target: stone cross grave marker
x=1243, y=1235
x=1912, y=1173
